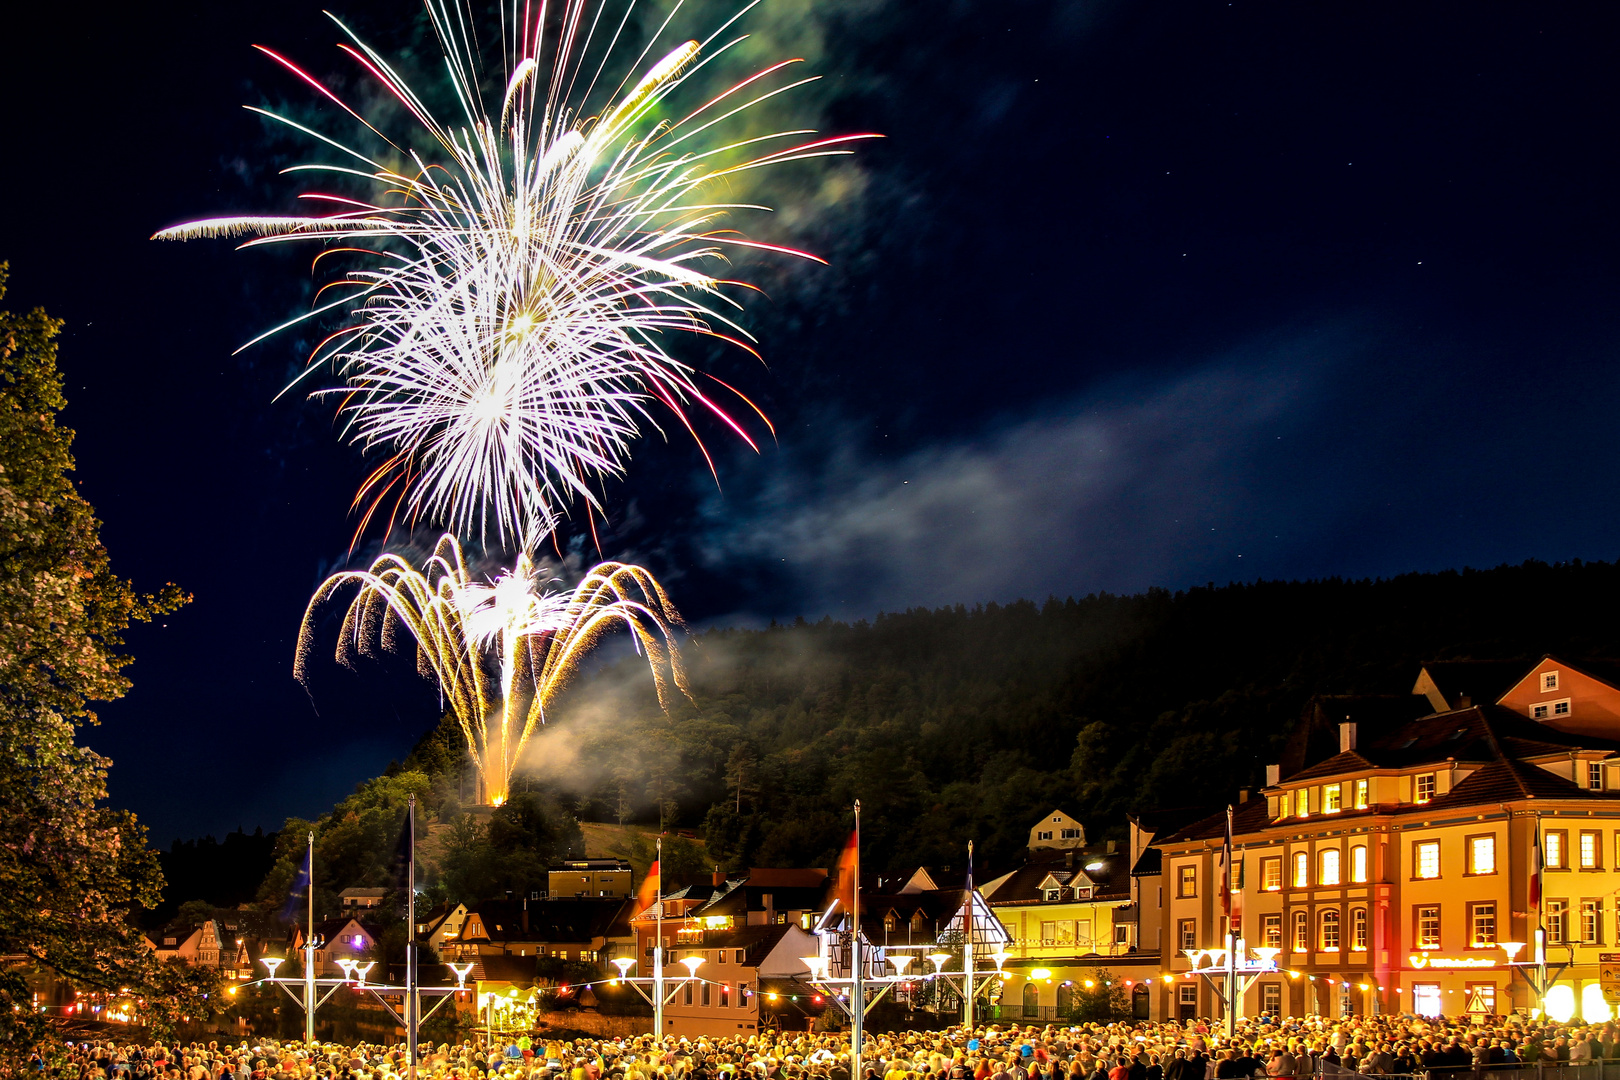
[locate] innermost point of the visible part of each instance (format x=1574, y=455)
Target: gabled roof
x=1479, y=733
x=1111, y=880
x=1481, y=682
x=570, y=919
x=1502, y=780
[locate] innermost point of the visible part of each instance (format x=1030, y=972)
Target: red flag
x=847, y=864
x=1535, y=870
x=647, y=895
x=1226, y=869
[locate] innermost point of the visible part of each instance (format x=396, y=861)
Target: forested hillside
x=968, y=723
x=948, y=725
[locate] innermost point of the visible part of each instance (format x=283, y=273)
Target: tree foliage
x=71, y=870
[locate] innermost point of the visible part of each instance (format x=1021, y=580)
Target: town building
x=1069, y=913
x=583, y=930
x=352, y=901
x=1390, y=875
x=601, y=878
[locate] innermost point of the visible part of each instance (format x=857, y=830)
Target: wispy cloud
x=1122, y=489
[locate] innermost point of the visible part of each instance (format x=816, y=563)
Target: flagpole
x=309, y=952
x=658, y=947
x=967, y=951
x=412, y=1004
x=857, y=1003
x=1231, y=932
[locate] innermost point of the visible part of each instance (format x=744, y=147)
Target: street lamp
x=900, y=960
x=624, y=964
x=692, y=964
x=348, y=967
x=939, y=959
x=360, y=970
x=817, y=966
x=272, y=962
x=1511, y=948
x=462, y=971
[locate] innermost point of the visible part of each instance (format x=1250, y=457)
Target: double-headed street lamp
x=1231, y=972
x=658, y=998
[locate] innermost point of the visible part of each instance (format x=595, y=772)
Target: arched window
x=1358, y=863
x=1302, y=932
x=1065, y=1001
x=1330, y=930
x=1302, y=870
x=1330, y=867
x=1032, y=999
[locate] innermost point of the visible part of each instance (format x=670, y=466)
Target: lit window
x=1589, y=851
x=1271, y=930
x=1330, y=931
x=1358, y=863
x=1549, y=681
x=1330, y=867
x=1270, y=874
x=1331, y=796
x=1302, y=870
x=1556, y=921
x=1302, y=802
x=1053, y=895
x=1302, y=932
x=1188, y=932
x=1428, y=859
x=1594, y=775
x=1591, y=922
x=1361, y=794
x=1482, y=855
x=1552, y=850
x=1425, y=788
x=1358, y=929
x=1428, y=926
x=1189, y=881
x=1482, y=925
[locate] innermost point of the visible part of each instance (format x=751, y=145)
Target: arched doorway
x=1065, y=1000
x=1141, y=1001
x=1032, y=999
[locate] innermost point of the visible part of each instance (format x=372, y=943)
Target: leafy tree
x=71, y=870
x=1098, y=995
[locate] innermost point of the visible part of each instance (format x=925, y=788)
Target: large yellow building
x=1389, y=875
x=1070, y=911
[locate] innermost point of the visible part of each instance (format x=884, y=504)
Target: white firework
x=506, y=338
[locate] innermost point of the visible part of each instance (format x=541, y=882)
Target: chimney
x=1273, y=775
x=719, y=877
x=1347, y=736
x=525, y=914
x=1112, y=845
x=1243, y=795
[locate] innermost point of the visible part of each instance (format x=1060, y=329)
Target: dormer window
x=890, y=922
x=1053, y=895
x=1331, y=796
x=1424, y=789
x=1549, y=681
x=1302, y=802
x=1083, y=893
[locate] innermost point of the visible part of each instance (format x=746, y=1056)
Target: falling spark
x=531, y=636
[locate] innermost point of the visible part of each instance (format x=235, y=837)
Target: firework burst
x=500, y=650
x=504, y=340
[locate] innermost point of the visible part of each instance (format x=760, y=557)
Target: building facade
x=1389, y=876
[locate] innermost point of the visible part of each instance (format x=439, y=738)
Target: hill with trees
x=949, y=724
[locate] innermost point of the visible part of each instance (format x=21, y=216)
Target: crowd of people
x=1261, y=1047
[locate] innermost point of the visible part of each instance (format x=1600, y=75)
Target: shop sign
x=1424, y=960
x=1609, y=976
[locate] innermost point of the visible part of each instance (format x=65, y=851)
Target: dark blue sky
x=1131, y=295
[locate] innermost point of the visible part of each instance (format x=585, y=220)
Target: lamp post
x=1535, y=970
x=658, y=998
x=1231, y=972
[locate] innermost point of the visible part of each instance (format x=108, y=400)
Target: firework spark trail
x=506, y=343
x=533, y=637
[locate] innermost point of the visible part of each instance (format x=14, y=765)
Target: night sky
x=1131, y=295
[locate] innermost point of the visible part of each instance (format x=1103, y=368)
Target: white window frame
x=1549, y=682
x=1594, y=775
x=1330, y=867
x=1418, y=850
x=1418, y=784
